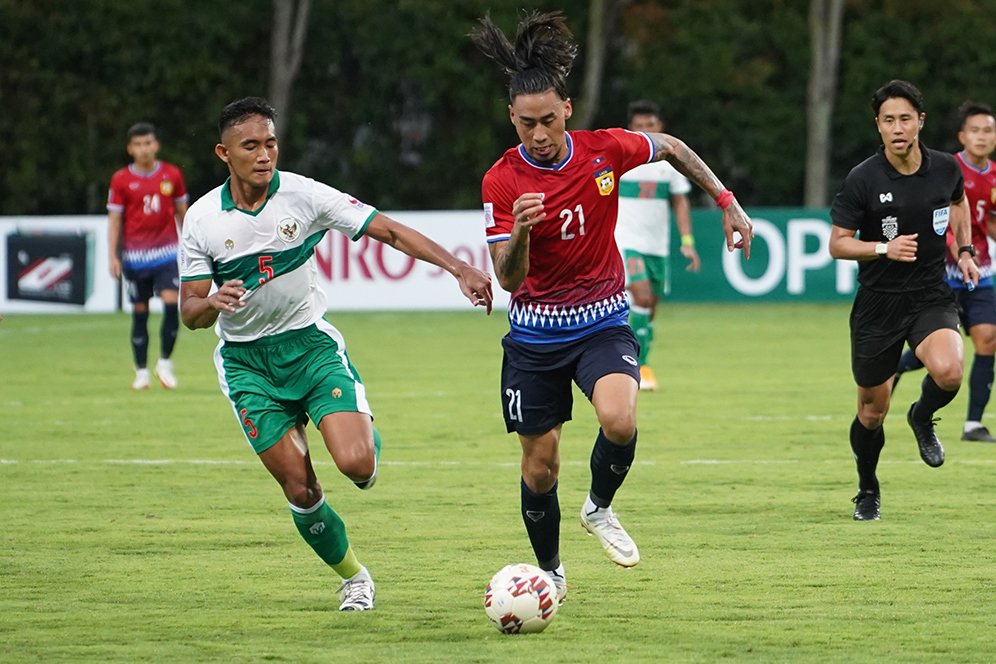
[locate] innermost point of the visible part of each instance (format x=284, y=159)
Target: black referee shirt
x=880, y=203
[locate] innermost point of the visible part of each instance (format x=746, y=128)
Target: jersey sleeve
x=341, y=212
x=116, y=194
x=847, y=209
x=195, y=263
x=635, y=148
x=498, y=203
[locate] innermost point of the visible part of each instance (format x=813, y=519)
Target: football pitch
x=140, y=526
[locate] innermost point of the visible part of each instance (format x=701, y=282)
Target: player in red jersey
x=145, y=207
x=977, y=135
x=550, y=211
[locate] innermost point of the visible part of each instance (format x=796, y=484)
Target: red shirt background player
x=575, y=283
x=980, y=188
x=145, y=206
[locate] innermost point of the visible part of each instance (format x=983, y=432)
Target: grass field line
x=423, y=464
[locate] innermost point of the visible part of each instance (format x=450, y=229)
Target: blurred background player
x=901, y=200
x=643, y=232
x=145, y=207
x=550, y=208
x=977, y=135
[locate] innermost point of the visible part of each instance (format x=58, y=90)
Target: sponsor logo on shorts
x=336, y=393
x=288, y=230
x=890, y=228
x=629, y=359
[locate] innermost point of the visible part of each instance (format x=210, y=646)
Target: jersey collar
x=226, y=195
x=891, y=171
x=559, y=166
x=981, y=171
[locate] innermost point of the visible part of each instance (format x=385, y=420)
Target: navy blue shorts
x=536, y=379
x=142, y=284
x=976, y=307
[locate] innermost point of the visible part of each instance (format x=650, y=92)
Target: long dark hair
x=541, y=57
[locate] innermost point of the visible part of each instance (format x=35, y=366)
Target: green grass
x=140, y=527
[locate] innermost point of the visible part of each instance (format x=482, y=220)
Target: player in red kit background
x=145, y=207
x=550, y=209
x=977, y=135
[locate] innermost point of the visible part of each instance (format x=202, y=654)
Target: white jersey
x=644, y=222
x=271, y=250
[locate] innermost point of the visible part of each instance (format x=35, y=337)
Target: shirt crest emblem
x=288, y=230
x=166, y=188
x=941, y=216
x=606, y=180
x=890, y=227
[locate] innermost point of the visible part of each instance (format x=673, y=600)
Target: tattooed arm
x=683, y=158
x=511, y=258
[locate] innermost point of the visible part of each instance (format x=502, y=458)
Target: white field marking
x=786, y=418
x=457, y=463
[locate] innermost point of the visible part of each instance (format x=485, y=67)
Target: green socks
x=639, y=320
x=325, y=532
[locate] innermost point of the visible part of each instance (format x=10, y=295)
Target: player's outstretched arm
x=474, y=284
x=199, y=307
x=689, y=164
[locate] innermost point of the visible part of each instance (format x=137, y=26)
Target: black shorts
x=882, y=322
x=536, y=379
x=142, y=284
x=977, y=307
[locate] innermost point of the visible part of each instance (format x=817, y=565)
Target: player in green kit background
x=643, y=232
x=279, y=362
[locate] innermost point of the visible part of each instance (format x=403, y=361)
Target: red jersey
x=147, y=202
x=576, y=282
x=980, y=188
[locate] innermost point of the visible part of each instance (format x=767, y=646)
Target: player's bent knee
x=618, y=426
x=301, y=494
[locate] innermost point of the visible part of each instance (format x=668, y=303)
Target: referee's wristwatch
x=967, y=248
x=881, y=249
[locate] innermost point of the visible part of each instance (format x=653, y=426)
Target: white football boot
x=141, y=381
x=357, y=593
x=618, y=545
x=164, y=372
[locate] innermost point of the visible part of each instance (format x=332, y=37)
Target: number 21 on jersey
x=569, y=216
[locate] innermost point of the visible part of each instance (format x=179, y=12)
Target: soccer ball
x=520, y=599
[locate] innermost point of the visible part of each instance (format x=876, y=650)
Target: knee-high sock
x=643, y=329
x=909, y=362
x=325, y=532
x=980, y=386
x=168, y=330
x=609, y=466
x=932, y=399
x=541, y=514
x=140, y=338
x=866, y=444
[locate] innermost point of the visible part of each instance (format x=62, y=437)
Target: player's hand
x=228, y=297
x=735, y=220
x=969, y=270
x=475, y=285
x=902, y=248
x=527, y=211
x=115, y=268
x=694, y=264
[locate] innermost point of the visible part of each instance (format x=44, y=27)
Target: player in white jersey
x=279, y=362
x=643, y=232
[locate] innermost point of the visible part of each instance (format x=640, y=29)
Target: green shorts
x=648, y=267
x=278, y=382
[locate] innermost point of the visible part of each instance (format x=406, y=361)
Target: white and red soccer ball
x=520, y=599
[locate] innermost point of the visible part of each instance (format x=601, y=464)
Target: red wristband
x=724, y=199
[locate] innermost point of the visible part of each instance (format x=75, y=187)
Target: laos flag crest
x=606, y=180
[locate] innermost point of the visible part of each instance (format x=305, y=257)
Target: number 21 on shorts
x=514, y=404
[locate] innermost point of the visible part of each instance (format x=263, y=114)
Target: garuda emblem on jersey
x=890, y=228
x=288, y=230
x=166, y=188
x=606, y=180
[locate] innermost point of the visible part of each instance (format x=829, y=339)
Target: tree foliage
x=393, y=104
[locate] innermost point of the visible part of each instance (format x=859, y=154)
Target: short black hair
x=972, y=108
x=643, y=107
x=897, y=88
x=241, y=109
x=141, y=129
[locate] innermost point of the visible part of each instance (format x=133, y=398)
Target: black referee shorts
x=881, y=323
x=536, y=379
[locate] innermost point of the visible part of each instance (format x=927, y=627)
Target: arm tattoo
x=683, y=158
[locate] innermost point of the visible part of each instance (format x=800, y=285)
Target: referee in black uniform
x=901, y=201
